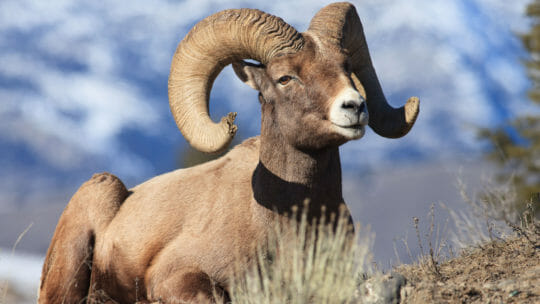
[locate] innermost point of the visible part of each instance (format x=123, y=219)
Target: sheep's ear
x=251, y=74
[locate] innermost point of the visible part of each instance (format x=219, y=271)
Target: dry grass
x=499, y=260
x=500, y=271
x=303, y=265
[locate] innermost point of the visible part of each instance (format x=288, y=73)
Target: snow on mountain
x=83, y=84
x=19, y=276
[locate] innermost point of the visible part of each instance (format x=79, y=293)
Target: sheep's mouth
x=353, y=131
x=351, y=127
x=349, y=122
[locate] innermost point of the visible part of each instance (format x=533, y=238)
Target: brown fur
x=176, y=237
x=69, y=257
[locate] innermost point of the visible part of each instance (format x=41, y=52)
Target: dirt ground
x=502, y=271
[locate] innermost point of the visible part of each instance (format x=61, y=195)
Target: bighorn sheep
x=174, y=237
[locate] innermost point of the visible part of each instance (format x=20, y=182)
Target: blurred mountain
x=83, y=86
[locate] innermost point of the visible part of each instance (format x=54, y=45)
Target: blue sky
x=83, y=85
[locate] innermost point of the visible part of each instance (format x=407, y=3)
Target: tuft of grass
x=306, y=262
x=436, y=242
x=4, y=285
x=498, y=260
x=489, y=217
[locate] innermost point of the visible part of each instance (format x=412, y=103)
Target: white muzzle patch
x=349, y=114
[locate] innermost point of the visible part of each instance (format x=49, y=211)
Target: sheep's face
x=309, y=97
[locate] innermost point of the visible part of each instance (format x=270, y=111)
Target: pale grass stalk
x=4, y=285
x=487, y=215
x=306, y=263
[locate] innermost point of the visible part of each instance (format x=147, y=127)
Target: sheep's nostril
x=353, y=105
x=350, y=105
x=362, y=107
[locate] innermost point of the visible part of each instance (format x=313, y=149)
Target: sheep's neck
x=286, y=176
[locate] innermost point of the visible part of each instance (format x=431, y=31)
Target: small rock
x=406, y=292
x=507, y=285
x=382, y=289
x=490, y=286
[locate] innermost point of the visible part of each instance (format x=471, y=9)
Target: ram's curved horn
x=339, y=24
x=213, y=43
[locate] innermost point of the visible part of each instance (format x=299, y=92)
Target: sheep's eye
x=284, y=79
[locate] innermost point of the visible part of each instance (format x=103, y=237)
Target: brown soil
x=503, y=271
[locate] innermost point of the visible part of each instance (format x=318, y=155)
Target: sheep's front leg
x=188, y=285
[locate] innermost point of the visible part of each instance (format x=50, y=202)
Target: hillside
x=501, y=271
